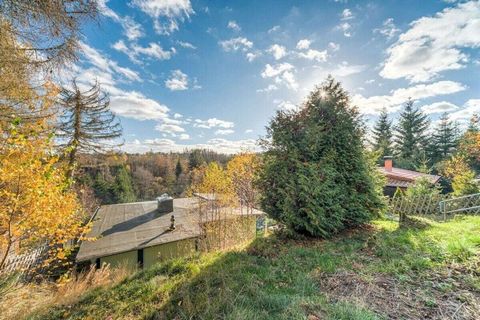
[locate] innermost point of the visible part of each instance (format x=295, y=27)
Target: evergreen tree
x=195, y=159
x=178, y=169
x=444, y=140
x=382, y=135
x=316, y=178
x=474, y=124
x=410, y=135
x=123, y=188
x=87, y=124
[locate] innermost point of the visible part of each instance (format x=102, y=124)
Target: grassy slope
x=285, y=279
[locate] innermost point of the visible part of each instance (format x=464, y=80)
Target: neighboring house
x=401, y=178
x=141, y=233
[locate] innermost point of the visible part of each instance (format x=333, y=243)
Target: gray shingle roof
x=124, y=227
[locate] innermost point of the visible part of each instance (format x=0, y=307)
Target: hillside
x=379, y=271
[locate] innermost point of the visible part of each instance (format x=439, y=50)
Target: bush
x=316, y=178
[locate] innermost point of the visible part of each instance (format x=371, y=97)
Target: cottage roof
x=404, y=178
x=125, y=227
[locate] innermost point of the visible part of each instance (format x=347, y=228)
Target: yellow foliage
x=215, y=182
x=36, y=205
x=462, y=176
x=242, y=170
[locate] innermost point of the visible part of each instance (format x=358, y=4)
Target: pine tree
x=178, y=169
x=444, y=140
x=195, y=159
x=474, y=124
x=315, y=176
x=123, y=189
x=382, y=135
x=87, y=124
x=410, y=135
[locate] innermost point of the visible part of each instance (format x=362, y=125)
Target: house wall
x=151, y=255
x=127, y=259
x=182, y=248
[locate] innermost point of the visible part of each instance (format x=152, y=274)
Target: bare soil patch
x=444, y=294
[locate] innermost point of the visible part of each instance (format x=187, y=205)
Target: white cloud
x=269, y=88
x=153, y=50
x=168, y=145
x=178, y=81
x=223, y=132
x=282, y=73
x=303, y=44
x=131, y=28
x=108, y=65
x=187, y=45
x=184, y=136
x=388, y=29
x=439, y=107
x=213, y=123
x=277, y=51
x=252, y=56
x=248, y=131
x=273, y=29
x=333, y=46
x=312, y=54
x=347, y=15
x=434, y=44
x=236, y=44
x=286, y=105
x=393, y=102
x=470, y=108
x=166, y=13
x=233, y=25
x=345, y=27
x=135, y=105
x=169, y=128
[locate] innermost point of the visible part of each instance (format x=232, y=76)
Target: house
x=401, y=178
x=143, y=233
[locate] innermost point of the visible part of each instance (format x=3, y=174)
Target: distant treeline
x=140, y=177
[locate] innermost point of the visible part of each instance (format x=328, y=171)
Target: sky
x=185, y=74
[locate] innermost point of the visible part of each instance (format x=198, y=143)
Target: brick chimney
x=165, y=203
x=388, y=163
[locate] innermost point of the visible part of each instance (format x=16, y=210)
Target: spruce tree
x=316, y=178
x=178, y=169
x=382, y=135
x=474, y=124
x=87, y=124
x=410, y=135
x=444, y=140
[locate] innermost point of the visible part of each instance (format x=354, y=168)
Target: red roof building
x=402, y=178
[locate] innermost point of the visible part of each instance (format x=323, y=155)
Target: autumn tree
x=382, y=135
x=461, y=175
x=87, y=125
x=35, y=206
x=47, y=31
x=243, y=170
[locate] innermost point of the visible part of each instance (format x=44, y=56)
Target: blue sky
x=184, y=74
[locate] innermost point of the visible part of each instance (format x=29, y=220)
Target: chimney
x=388, y=163
x=165, y=203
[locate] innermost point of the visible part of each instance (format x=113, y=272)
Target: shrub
x=316, y=178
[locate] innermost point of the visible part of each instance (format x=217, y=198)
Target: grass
x=377, y=272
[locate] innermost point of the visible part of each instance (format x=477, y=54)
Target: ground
x=426, y=271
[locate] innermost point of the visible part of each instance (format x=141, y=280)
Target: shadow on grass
x=273, y=278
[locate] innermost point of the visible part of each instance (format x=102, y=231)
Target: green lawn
x=377, y=272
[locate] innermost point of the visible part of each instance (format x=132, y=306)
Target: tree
x=316, y=178
x=243, y=170
x=196, y=159
x=178, y=169
x=474, y=124
x=123, y=188
x=87, y=124
x=461, y=175
x=382, y=135
x=410, y=135
x=35, y=205
x=47, y=31
x=444, y=140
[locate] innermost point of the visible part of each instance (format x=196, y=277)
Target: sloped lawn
x=377, y=272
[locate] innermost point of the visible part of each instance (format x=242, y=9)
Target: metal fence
x=434, y=204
